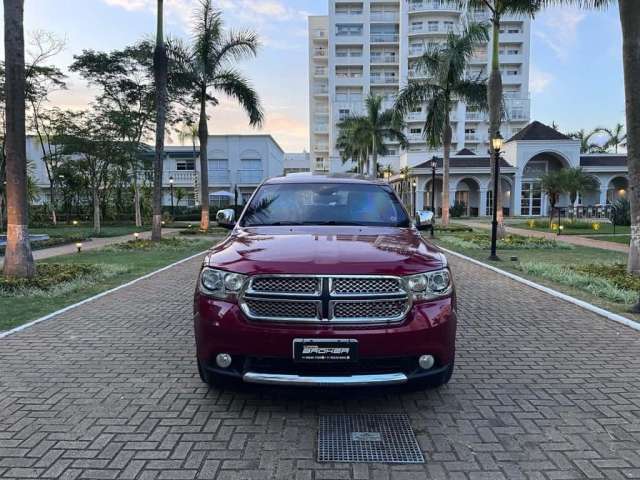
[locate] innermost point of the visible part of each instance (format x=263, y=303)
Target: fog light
x=223, y=360
x=426, y=361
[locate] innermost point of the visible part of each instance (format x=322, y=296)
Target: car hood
x=325, y=250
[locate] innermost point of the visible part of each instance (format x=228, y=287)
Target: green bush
x=458, y=209
x=480, y=241
x=453, y=228
x=170, y=243
x=54, y=279
x=621, y=212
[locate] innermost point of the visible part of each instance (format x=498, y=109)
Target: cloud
x=539, y=80
x=558, y=29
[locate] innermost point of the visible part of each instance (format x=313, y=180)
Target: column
x=482, y=208
x=603, y=194
x=517, y=194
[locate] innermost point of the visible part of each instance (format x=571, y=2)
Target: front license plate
x=320, y=350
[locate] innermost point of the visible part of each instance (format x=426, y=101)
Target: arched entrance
x=468, y=194
x=438, y=195
x=618, y=188
x=506, y=188
x=533, y=201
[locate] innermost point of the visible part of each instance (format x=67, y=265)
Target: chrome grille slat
x=340, y=299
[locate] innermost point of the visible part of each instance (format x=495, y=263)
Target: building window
x=185, y=165
x=344, y=114
x=348, y=30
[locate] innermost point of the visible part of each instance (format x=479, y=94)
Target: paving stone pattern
x=542, y=390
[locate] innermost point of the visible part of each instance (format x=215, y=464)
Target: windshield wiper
x=337, y=223
x=274, y=224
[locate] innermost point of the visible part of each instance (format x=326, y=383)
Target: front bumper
x=262, y=351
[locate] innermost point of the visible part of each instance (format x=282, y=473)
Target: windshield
x=325, y=204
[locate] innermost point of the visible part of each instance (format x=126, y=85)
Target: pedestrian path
x=91, y=244
x=573, y=239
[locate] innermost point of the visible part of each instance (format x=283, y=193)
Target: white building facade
x=371, y=46
x=235, y=163
x=532, y=152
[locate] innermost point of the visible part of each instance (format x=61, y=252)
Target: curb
x=554, y=293
x=95, y=297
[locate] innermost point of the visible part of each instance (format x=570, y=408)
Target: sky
x=576, y=58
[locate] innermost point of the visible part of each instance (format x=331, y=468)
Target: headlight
x=430, y=285
x=220, y=284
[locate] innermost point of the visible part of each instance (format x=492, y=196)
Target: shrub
x=458, y=209
x=592, y=278
x=453, y=228
x=477, y=240
x=55, y=279
x=170, y=243
x=621, y=212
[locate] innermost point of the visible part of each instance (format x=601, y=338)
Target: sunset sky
x=576, y=63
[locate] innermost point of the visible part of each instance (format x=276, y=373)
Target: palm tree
x=617, y=136
x=207, y=68
x=553, y=184
x=363, y=137
x=445, y=84
x=180, y=195
x=18, y=258
x=586, y=145
x=160, y=69
x=576, y=181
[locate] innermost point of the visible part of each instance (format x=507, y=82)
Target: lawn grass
x=86, y=230
x=130, y=264
x=552, y=256
x=624, y=239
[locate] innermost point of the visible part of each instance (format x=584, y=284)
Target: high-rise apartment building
x=370, y=46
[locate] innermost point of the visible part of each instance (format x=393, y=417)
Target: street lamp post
x=496, y=144
x=171, y=188
x=415, y=194
x=434, y=164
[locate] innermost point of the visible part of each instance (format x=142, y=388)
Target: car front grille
x=339, y=299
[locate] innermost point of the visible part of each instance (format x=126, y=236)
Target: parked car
x=325, y=280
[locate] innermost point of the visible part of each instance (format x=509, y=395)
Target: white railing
x=321, y=110
x=379, y=80
x=472, y=137
x=383, y=59
x=180, y=177
x=475, y=116
x=415, y=51
x=385, y=38
x=321, y=128
x=415, y=137
x=320, y=52
x=321, y=147
x=432, y=5
x=384, y=17
x=218, y=176
x=321, y=90
x=320, y=34
x=321, y=166
x=415, y=116
x=320, y=72
x=250, y=176
x=433, y=29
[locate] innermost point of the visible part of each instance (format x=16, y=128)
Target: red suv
x=325, y=281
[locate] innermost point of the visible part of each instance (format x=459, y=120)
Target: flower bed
x=480, y=241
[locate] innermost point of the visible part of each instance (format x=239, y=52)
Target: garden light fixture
x=136, y=235
x=496, y=143
x=75, y=222
x=79, y=247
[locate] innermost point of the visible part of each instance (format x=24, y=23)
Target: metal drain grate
x=383, y=438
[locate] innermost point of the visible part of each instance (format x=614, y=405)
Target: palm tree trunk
x=630, y=19
x=203, y=133
x=160, y=72
x=446, y=143
x=373, y=173
x=18, y=258
x=136, y=200
x=494, y=98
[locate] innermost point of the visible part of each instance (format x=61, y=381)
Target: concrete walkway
x=573, y=239
x=91, y=244
x=109, y=390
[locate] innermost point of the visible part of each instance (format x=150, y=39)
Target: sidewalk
x=91, y=244
x=573, y=239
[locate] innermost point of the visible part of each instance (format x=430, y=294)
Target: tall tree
x=207, y=68
x=160, y=67
x=18, y=258
x=444, y=67
x=586, y=145
x=363, y=137
x=617, y=136
x=553, y=184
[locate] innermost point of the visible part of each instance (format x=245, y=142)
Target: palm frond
x=232, y=83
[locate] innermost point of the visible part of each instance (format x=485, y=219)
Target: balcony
x=383, y=80
x=321, y=90
x=475, y=116
x=321, y=128
x=427, y=6
x=219, y=176
x=416, y=51
x=473, y=138
x=385, y=38
x=438, y=30
x=320, y=34
x=415, y=117
x=321, y=147
x=321, y=167
x=384, y=17
x=386, y=59
x=511, y=78
x=415, y=74
x=320, y=52
x=415, y=137
x=180, y=177
x=250, y=176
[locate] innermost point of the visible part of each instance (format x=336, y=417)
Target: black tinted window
x=325, y=204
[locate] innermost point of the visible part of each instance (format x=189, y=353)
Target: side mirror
x=424, y=220
x=226, y=218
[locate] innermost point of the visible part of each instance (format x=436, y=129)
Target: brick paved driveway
x=543, y=390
